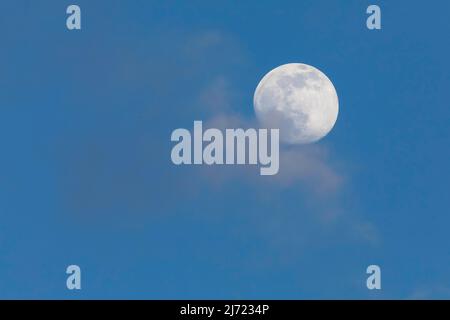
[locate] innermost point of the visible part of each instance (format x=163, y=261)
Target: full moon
x=299, y=100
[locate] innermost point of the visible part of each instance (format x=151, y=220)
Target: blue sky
x=86, y=176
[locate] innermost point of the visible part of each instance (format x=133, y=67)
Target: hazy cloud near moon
x=130, y=175
x=308, y=170
x=308, y=164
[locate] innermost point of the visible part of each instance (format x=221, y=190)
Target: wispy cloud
x=309, y=172
x=193, y=77
x=439, y=291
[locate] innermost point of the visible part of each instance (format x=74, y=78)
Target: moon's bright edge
x=299, y=100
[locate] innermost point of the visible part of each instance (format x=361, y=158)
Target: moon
x=299, y=100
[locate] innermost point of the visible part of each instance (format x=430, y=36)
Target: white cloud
x=307, y=172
